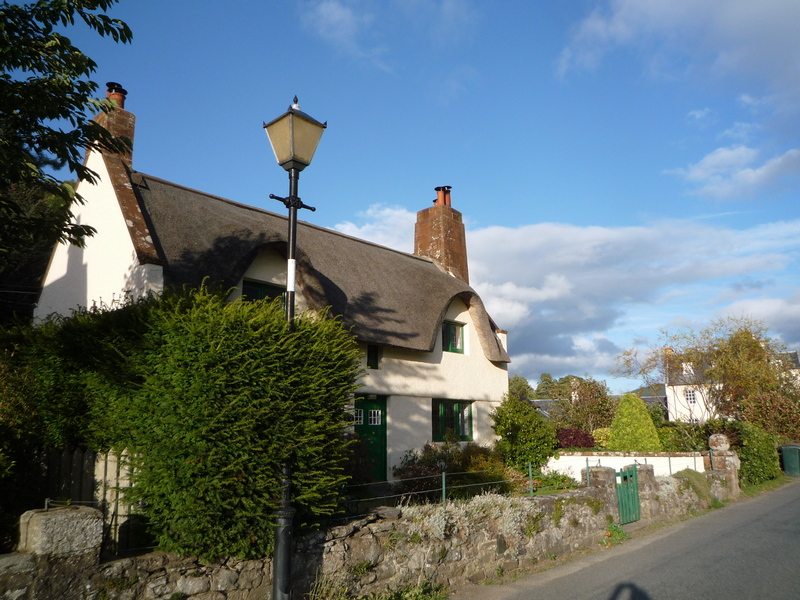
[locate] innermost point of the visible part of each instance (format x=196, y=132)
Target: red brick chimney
x=119, y=121
x=439, y=234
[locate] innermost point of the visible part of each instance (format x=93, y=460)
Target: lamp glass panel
x=280, y=138
x=306, y=139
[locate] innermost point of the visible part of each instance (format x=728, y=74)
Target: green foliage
x=519, y=387
x=615, y=534
x=584, y=405
x=208, y=397
x=54, y=383
x=698, y=482
x=224, y=397
x=737, y=370
x=601, y=437
x=525, y=436
x=678, y=436
x=632, y=429
x=756, y=449
x=472, y=470
x=23, y=265
x=656, y=412
x=46, y=107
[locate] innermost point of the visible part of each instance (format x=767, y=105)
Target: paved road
x=749, y=550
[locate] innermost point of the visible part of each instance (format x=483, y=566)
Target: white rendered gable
x=106, y=272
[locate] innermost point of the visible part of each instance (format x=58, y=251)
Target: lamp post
x=294, y=137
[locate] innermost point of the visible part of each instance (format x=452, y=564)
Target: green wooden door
x=370, y=425
x=628, y=495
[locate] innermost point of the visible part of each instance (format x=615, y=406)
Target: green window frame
x=451, y=415
x=452, y=337
x=258, y=290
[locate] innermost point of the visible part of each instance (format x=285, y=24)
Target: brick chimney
x=439, y=234
x=119, y=121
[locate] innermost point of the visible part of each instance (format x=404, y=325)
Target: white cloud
x=445, y=21
x=750, y=40
x=700, y=116
x=740, y=131
x=391, y=226
x=572, y=297
x=344, y=24
x=729, y=173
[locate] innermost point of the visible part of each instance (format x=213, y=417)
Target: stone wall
x=470, y=541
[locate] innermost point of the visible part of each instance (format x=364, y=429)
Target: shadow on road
x=628, y=591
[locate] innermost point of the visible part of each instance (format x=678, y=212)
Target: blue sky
x=623, y=166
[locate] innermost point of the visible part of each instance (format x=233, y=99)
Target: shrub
x=53, y=383
x=601, y=436
x=632, y=429
x=473, y=470
x=525, y=436
x=224, y=397
x=574, y=438
x=678, y=436
x=756, y=449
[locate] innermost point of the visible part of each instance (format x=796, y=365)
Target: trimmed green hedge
x=632, y=429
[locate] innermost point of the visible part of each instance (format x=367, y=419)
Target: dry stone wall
x=473, y=541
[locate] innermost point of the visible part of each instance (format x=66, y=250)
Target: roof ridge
x=280, y=216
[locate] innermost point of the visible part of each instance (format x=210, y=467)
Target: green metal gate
x=628, y=495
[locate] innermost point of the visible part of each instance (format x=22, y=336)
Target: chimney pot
x=117, y=93
x=442, y=195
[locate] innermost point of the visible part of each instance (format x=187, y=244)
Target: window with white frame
x=691, y=396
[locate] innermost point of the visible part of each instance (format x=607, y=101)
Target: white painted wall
x=681, y=409
x=106, y=271
x=663, y=463
x=437, y=374
x=412, y=379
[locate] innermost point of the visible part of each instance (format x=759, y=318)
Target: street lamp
x=294, y=137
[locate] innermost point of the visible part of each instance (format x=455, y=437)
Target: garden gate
x=628, y=495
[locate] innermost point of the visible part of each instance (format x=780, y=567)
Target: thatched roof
x=384, y=296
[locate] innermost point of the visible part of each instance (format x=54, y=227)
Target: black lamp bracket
x=292, y=202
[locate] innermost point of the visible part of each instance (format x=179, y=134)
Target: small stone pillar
x=69, y=531
x=600, y=477
x=725, y=462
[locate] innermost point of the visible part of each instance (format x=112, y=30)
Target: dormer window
x=452, y=337
x=257, y=290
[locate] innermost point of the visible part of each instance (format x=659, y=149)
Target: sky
x=623, y=166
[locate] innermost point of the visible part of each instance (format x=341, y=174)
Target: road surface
x=749, y=550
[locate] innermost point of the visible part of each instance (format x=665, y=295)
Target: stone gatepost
x=66, y=544
x=724, y=464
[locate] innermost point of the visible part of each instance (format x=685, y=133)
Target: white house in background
x=689, y=393
x=434, y=359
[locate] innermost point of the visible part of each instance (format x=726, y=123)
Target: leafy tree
x=46, y=108
x=545, y=387
x=525, y=436
x=734, y=368
x=22, y=267
x=519, y=387
x=587, y=408
x=632, y=429
x=549, y=388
